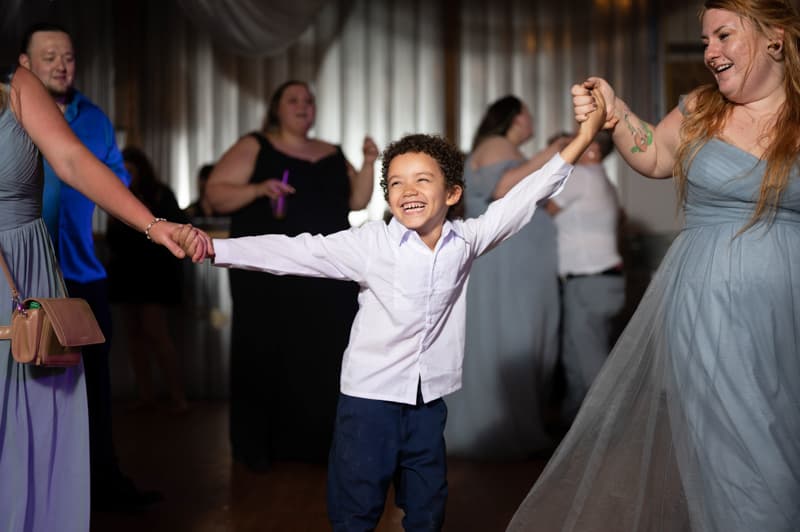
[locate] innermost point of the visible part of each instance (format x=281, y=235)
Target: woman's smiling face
x=736, y=54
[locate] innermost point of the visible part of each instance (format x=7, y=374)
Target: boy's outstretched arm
x=587, y=130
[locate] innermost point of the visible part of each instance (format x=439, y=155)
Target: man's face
x=51, y=58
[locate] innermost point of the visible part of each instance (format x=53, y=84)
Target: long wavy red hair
x=711, y=110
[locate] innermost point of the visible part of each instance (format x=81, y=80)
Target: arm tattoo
x=642, y=136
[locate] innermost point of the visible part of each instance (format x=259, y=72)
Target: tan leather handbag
x=49, y=331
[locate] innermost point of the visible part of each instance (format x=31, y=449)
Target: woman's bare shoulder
x=494, y=149
x=688, y=102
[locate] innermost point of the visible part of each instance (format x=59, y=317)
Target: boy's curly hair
x=447, y=156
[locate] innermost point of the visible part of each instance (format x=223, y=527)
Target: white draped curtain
x=537, y=50
x=253, y=27
x=196, y=75
x=376, y=68
x=205, y=68
x=379, y=67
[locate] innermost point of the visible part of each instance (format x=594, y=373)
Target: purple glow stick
x=279, y=205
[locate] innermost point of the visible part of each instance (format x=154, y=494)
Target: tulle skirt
x=694, y=422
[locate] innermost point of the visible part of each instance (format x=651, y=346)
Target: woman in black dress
x=288, y=333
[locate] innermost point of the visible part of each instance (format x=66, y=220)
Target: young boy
x=407, y=340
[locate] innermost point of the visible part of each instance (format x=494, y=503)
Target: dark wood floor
x=187, y=458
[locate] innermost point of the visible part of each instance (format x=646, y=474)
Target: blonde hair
x=710, y=110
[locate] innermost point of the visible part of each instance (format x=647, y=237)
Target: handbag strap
x=14, y=292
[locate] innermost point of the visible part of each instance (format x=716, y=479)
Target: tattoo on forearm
x=642, y=135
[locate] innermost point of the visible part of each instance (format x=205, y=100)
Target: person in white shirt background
x=407, y=341
x=587, y=215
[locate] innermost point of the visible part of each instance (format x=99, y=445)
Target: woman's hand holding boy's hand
x=584, y=101
x=193, y=242
x=159, y=232
x=168, y=234
x=590, y=123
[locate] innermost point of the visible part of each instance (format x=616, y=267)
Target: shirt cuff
x=560, y=171
x=222, y=255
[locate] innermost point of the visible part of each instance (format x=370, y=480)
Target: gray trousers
x=589, y=305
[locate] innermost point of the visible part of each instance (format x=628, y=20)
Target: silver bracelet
x=150, y=226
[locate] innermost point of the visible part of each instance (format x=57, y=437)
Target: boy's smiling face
x=418, y=195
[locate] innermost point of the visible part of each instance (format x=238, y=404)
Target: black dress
x=289, y=333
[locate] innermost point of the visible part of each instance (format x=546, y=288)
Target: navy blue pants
x=376, y=443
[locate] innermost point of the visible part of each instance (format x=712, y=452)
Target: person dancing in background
x=587, y=217
x=694, y=421
x=287, y=330
x=513, y=304
x=44, y=426
x=147, y=282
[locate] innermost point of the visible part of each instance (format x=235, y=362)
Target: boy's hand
x=596, y=119
x=194, y=242
x=584, y=100
x=590, y=123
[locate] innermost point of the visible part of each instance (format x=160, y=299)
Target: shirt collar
x=400, y=233
x=454, y=228
x=71, y=112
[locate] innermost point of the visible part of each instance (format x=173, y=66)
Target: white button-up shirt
x=587, y=222
x=409, y=328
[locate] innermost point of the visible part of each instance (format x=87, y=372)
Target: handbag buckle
x=17, y=303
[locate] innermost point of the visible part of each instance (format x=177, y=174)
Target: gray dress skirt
x=44, y=431
x=694, y=422
x=511, y=336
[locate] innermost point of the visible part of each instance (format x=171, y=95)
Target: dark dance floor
x=187, y=458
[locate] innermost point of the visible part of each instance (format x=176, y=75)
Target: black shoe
x=122, y=495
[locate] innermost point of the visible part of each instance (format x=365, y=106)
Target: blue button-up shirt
x=68, y=213
x=412, y=303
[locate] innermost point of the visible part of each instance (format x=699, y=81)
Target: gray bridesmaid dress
x=694, y=422
x=44, y=431
x=511, y=336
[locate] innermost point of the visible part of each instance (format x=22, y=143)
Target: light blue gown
x=694, y=422
x=511, y=336
x=44, y=430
